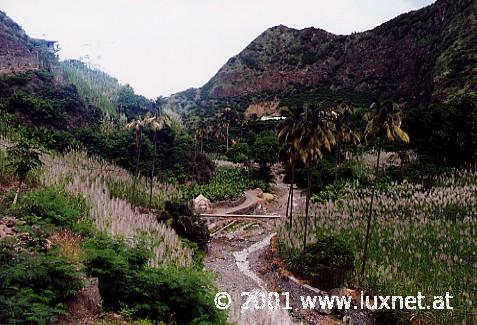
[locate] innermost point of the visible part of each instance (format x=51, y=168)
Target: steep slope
x=422, y=56
x=101, y=90
x=31, y=85
x=18, y=52
x=94, y=86
x=41, y=91
x=15, y=54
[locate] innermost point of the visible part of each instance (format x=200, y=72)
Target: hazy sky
x=164, y=46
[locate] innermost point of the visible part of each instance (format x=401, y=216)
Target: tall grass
x=421, y=240
x=89, y=177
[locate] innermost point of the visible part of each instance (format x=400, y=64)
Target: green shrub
x=328, y=263
x=176, y=296
x=185, y=223
x=239, y=153
x=182, y=296
x=34, y=286
x=114, y=264
x=330, y=192
x=25, y=306
x=40, y=109
x=266, y=148
x=259, y=183
x=391, y=317
x=49, y=207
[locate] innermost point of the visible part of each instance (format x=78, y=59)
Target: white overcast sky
x=161, y=47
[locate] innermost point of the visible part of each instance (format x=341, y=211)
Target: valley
x=310, y=164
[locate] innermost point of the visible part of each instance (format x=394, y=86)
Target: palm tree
x=384, y=124
x=202, y=133
x=219, y=131
x=138, y=126
x=316, y=136
x=175, y=121
x=227, y=116
x=155, y=124
x=344, y=131
x=288, y=136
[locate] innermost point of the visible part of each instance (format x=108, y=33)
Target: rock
x=85, y=305
x=344, y=292
x=8, y=221
x=259, y=192
x=268, y=197
x=6, y=227
x=202, y=204
x=322, y=311
x=47, y=244
x=26, y=238
x=6, y=231
x=116, y=316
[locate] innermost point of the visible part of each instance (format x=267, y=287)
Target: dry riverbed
x=240, y=257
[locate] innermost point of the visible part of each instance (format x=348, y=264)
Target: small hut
x=202, y=204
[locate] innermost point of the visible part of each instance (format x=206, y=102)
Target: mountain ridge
x=422, y=56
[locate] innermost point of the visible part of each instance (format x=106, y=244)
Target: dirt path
x=250, y=203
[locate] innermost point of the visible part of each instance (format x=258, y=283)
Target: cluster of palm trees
x=202, y=133
x=309, y=132
x=219, y=127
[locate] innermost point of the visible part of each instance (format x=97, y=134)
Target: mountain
x=31, y=86
x=17, y=51
x=422, y=56
x=41, y=91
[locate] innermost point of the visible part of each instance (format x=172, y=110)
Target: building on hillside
x=46, y=45
x=272, y=118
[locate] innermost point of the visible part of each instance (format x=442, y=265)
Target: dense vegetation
x=98, y=89
x=167, y=294
x=58, y=239
x=174, y=149
x=416, y=230
x=37, y=100
x=37, y=279
x=227, y=184
x=328, y=262
x=445, y=133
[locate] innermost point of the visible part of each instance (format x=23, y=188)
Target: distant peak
x=279, y=28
